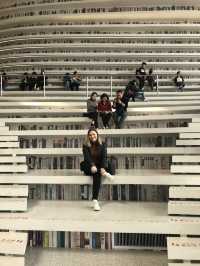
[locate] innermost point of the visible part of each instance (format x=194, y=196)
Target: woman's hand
x=93, y=169
x=103, y=171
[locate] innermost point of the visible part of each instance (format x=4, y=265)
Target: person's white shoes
x=96, y=205
x=109, y=176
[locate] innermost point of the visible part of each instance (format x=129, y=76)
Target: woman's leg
x=107, y=119
x=103, y=117
x=96, y=181
x=94, y=117
x=96, y=185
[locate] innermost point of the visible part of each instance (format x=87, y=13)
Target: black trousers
x=105, y=118
x=94, y=117
x=96, y=181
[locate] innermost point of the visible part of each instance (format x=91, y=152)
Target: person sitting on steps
x=120, y=105
x=92, y=109
x=95, y=163
x=105, y=110
x=179, y=81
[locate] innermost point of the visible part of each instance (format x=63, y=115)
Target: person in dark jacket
x=75, y=81
x=92, y=109
x=40, y=80
x=105, y=110
x=4, y=80
x=95, y=163
x=179, y=81
x=33, y=81
x=152, y=80
x=120, y=105
x=24, y=85
x=141, y=73
x=67, y=81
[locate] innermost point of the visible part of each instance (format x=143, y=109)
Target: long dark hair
x=87, y=140
x=92, y=94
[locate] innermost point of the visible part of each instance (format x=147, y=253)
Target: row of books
x=108, y=192
x=72, y=126
x=61, y=126
x=89, y=240
x=120, y=162
x=77, y=142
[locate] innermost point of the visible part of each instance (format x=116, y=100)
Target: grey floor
x=61, y=257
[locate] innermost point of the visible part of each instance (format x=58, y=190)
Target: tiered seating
x=185, y=201
x=12, y=197
x=105, y=48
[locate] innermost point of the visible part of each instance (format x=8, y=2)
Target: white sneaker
x=96, y=205
x=109, y=176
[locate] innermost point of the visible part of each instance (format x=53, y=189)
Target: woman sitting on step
x=95, y=163
x=105, y=110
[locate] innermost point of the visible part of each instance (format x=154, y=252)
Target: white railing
x=108, y=88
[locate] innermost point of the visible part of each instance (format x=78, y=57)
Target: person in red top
x=105, y=109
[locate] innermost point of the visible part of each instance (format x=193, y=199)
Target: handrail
x=44, y=77
x=85, y=87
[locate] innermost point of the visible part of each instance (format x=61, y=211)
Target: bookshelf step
x=13, y=204
x=188, y=142
x=82, y=120
x=115, y=216
x=78, y=98
x=184, y=207
x=13, y=191
x=133, y=176
x=103, y=132
x=9, y=144
x=12, y=243
x=82, y=104
x=183, y=248
x=184, y=192
x=8, y=138
x=186, y=159
x=12, y=261
x=111, y=151
x=187, y=168
x=75, y=111
x=19, y=168
x=75, y=257
x=12, y=159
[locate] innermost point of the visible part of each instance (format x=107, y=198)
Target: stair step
x=186, y=159
x=8, y=138
x=188, y=142
x=85, y=257
x=13, y=204
x=183, y=264
x=12, y=261
x=192, y=135
x=20, y=168
x=9, y=144
x=185, y=169
x=12, y=159
x=14, y=191
x=183, y=248
x=12, y=243
x=184, y=207
x=184, y=192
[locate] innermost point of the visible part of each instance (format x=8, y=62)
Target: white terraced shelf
x=153, y=203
